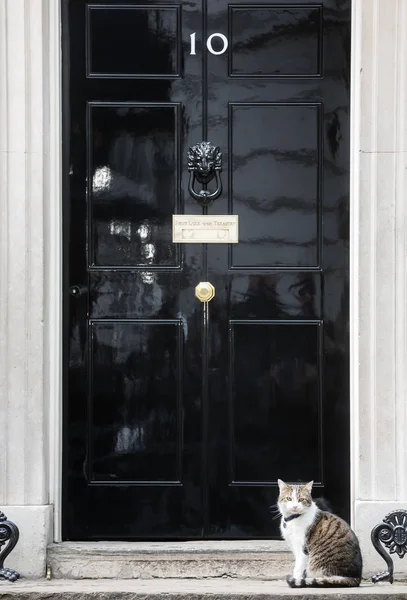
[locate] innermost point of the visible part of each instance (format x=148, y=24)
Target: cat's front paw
x=294, y=582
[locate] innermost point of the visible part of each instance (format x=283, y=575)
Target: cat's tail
x=332, y=581
x=323, y=504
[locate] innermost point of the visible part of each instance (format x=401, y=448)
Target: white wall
x=30, y=249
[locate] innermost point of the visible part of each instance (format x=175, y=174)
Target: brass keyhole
x=204, y=291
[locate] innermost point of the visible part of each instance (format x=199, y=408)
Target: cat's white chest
x=294, y=531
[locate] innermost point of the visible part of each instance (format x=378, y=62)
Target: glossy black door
x=180, y=416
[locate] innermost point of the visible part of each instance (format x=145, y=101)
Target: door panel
x=275, y=400
x=280, y=41
x=141, y=40
x=274, y=186
x=179, y=416
x=126, y=363
x=135, y=183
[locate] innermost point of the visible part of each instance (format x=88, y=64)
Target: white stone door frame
x=31, y=269
x=377, y=200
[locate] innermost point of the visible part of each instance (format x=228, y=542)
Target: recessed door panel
x=279, y=40
x=136, y=401
x=275, y=183
x=275, y=400
x=127, y=40
x=134, y=176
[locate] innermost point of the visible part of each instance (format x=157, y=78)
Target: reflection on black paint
x=147, y=454
x=279, y=41
x=276, y=296
x=135, y=390
x=134, y=184
x=275, y=184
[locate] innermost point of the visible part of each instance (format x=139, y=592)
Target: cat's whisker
x=273, y=508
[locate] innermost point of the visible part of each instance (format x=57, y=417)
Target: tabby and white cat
x=326, y=550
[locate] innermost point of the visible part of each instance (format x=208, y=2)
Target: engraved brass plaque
x=216, y=229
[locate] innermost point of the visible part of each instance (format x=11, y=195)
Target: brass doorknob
x=204, y=291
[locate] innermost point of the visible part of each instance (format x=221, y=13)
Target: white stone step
x=266, y=560
x=187, y=589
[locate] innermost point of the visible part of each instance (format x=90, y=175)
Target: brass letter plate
x=208, y=229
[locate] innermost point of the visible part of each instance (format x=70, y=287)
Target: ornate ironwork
x=392, y=534
x=204, y=165
x=9, y=535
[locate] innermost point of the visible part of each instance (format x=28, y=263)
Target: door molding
x=356, y=61
x=54, y=267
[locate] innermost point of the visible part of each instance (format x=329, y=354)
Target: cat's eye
x=288, y=499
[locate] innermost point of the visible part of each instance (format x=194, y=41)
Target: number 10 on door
x=209, y=43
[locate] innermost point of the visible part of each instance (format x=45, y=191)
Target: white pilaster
x=24, y=134
x=379, y=342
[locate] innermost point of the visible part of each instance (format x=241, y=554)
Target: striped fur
x=325, y=582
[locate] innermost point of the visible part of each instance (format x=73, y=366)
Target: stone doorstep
x=256, y=560
x=182, y=589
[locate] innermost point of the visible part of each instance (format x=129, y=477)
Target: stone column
x=24, y=185
x=378, y=276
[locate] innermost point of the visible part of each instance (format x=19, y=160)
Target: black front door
x=180, y=415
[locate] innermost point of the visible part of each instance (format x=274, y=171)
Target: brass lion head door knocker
x=204, y=165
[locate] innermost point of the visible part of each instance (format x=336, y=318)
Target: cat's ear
x=308, y=486
x=281, y=484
